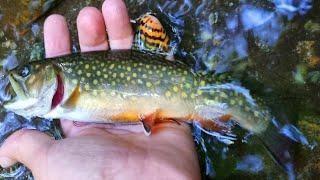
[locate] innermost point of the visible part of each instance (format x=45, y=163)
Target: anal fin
x=218, y=124
x=225, y=118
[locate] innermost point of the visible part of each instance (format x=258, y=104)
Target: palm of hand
x=97, y=153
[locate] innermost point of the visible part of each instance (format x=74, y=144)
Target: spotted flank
x=126, y=87
x=150, y=35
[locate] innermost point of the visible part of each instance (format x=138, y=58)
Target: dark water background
x=271, y=47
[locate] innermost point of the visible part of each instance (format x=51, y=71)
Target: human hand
x=92, y=152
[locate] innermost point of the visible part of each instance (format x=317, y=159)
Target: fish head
x=32, y=88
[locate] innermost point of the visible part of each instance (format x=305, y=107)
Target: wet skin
x=94, y=152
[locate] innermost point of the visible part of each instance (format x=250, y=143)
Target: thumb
x=26, y=146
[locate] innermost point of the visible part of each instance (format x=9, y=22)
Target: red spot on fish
x=58, y=96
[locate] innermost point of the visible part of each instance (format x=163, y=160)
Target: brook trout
x=136, y=87
x=127, y=87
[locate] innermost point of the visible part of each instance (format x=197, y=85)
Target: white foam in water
x=291, y=8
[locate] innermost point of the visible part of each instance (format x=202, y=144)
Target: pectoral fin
x=73, y=99
x=148, y=122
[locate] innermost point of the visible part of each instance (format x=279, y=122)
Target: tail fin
x=279, y=142
x=279, y=147
x=254, y=116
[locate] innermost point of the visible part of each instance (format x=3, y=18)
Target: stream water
x=271, y=47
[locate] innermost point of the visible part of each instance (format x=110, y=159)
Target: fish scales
x=128, y=71
x=136, y=83
x=126, y=86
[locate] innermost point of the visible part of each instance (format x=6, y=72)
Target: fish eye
x=25, y=71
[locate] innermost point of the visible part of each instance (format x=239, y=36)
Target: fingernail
x=6, y=162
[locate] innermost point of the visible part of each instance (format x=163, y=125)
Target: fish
x=125, y=87
x=132, y=87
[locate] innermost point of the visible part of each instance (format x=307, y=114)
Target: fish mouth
x=18, y=98
x=58, y=95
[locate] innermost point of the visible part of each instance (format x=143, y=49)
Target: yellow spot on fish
x=193, y=95
x=185, y=72
x=184, y=95
x=139, y=70
x=232, y=102
x=79, y=72
x=195, y=83
x=82, y=79
x=113, y=83
x=134, y=75
x=163, y=69
x=129, y=69
x=95, y=82
x=94, y=67
x=111, y=66
x=202, y=83
x=102, y=64
x=168, y=94
x=140, y=81
x=122, y=75
x=74, y=81
x=128, y=78
x=240, y=102
x=175, y=89
x=88, y=75
x=157, y=82
x=150, y=72
x=147, y=66
x=86, y=66
x=199, y=92
x=114, y=75
x=105, y=76
x=247, y=108
x=86, y=87
x=188, y=85
x=223, y=95
x=256, y=113
x=144, y=76
x=148, y=84
x=98, y=73
x=95, y=93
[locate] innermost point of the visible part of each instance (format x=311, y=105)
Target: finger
x=73, y=129
x=91, y=30
x=26, y=146
x=56, y=36
x=118, y=24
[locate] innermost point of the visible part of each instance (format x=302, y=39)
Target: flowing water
x=271, y=47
